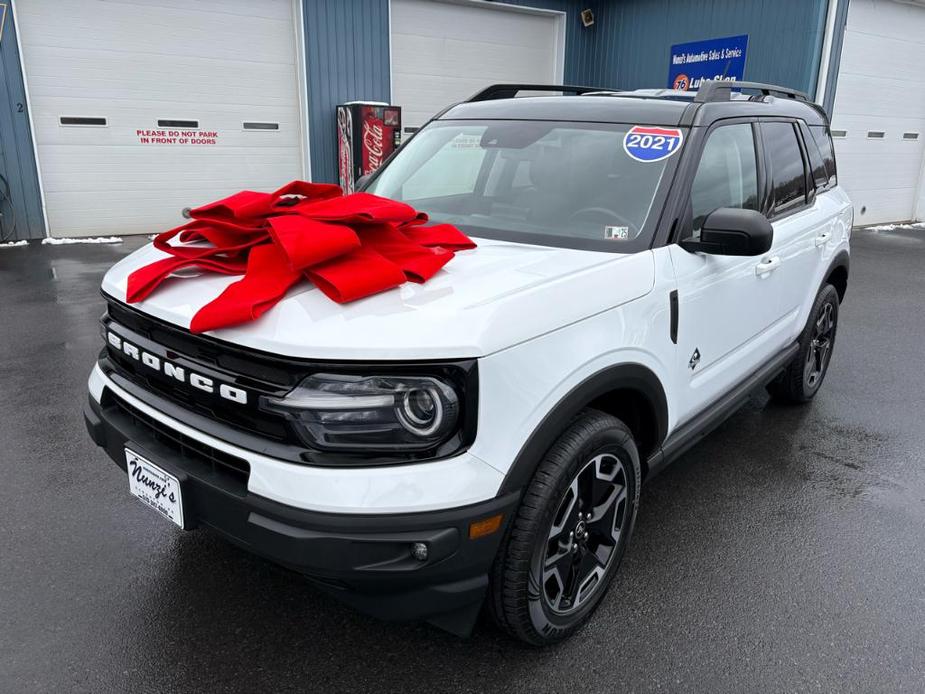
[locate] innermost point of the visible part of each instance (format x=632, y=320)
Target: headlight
x=358, y=412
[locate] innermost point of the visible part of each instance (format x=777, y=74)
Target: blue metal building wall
x=347, y=51
x=628, y=46
x=634, y=37
x=347, y=56
x=17, y=157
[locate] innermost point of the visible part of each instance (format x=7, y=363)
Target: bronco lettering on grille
x=179, y=373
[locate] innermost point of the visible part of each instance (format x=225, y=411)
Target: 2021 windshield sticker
x=648, y=144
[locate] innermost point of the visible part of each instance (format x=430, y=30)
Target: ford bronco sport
x=645, y=260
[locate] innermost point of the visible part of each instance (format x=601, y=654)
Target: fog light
x=419, y=551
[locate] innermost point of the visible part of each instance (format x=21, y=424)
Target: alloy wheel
x=817, y=358
x=585, y=533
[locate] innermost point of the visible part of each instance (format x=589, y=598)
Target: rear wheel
x=570, y=532
x=804, y=375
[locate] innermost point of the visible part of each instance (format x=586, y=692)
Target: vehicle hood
x=483, y=301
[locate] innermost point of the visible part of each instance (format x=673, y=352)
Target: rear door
x=803, y=223
x=727, y=305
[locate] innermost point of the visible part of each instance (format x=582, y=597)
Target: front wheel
x=804, y=375
x=570, y=532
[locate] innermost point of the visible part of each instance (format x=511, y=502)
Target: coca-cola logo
x=374, y=142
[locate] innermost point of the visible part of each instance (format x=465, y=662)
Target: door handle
x=823, y=238
x=767, y=265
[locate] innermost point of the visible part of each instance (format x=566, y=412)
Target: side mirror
x=732, y=231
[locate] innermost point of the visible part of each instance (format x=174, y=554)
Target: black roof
x=603, y=109
x=650, y=107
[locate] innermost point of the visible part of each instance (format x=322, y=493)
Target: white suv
x=645, y=260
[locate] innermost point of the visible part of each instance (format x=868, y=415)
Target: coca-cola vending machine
x=367, y=133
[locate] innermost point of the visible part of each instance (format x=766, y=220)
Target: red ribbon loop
x=350, y=246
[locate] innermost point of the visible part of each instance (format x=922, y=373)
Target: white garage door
x=155, y=95
x=444, y=52
x=879, y=115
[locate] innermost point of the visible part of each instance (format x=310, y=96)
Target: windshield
x=550, y=183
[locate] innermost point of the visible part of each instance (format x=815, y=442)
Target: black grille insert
x=232, y=470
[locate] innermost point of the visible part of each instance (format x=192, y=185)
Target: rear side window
x=823, y=140
x=788, y=177
x=727, y=175
x=816, y=163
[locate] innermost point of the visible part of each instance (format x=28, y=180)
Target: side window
x=727, y=175
x=820, y=174
x=823, y=139
x=788, y=176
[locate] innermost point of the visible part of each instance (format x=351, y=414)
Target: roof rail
x=721, y=90
x=509, y=91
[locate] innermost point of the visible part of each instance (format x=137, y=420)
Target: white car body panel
x=484, y=301
x=519, y=386
x=391, y=489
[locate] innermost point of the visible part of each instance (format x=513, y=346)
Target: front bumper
x=364, y=559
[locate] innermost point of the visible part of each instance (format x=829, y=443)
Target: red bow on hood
x=349, y=246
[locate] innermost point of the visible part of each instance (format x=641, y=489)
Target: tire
x=803, y=376
x=592, y=470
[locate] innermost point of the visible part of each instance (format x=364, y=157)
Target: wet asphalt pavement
x=786, y=552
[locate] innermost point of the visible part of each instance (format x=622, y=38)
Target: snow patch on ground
x=14, y=244
x=97, y=239
x=917, y=226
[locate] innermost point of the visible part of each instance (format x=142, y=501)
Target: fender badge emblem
x=695, y=359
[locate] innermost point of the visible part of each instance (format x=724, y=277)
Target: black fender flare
x=620, y=376
x=841, y=260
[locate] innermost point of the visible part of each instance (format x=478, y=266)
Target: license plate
x=158, y=489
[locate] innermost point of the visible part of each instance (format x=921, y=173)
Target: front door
x=727, y=305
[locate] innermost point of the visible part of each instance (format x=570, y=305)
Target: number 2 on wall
x=18, y=107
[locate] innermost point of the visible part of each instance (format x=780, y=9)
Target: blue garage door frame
x=22, y=211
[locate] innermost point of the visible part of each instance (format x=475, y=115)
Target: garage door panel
x=903, y=60
x=442, y=52
x=110, y=166
x=881, y=87
x=269, y=10
x=499, y=25
x=453, y=56
x=893, y=128
x=87, y=25
x=882, y=205
x=890, y=98
x=57, y=71
x=886, y=18
x=124, y=125
x=859, y=167
x=155, y=206
x=133, y=62
x=886, y=95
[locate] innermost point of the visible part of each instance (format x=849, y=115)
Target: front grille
x=258, y=366
x=265, y=424
x=230, y=469
x=260, y=374
x=225, y=363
